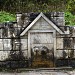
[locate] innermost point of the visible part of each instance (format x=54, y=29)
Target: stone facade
x=38, y=32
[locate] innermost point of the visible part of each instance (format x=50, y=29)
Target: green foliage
x=69, y=18
x=32, y=5
x=70, y=6
x=4, y=16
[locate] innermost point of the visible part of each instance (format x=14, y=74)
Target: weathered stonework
x=38, y=33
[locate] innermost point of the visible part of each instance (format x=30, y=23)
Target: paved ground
x=41, y=73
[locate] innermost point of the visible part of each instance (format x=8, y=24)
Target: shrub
x=5, y=16
x=69, y=18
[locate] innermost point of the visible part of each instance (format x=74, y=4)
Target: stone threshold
x=46, y=69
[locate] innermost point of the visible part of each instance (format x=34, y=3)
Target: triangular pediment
x=42, y=24
x=46, y=20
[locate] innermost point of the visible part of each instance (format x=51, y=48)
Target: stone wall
x=56, y=17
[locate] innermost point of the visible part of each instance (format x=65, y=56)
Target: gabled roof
x=36, y=19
